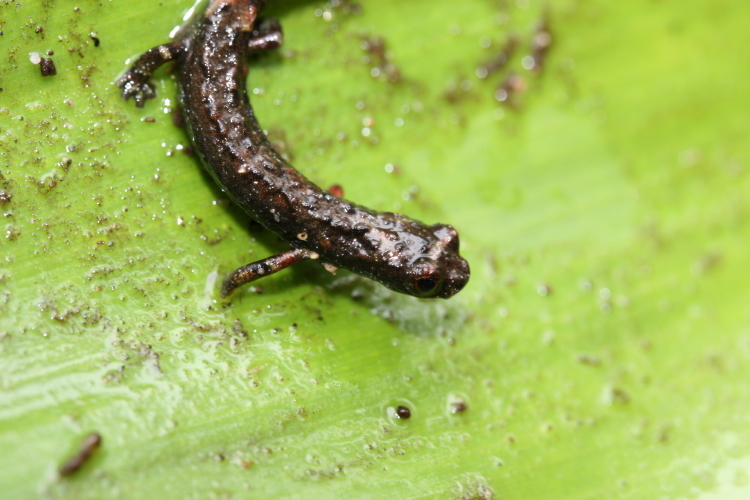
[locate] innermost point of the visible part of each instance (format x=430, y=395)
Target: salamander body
x=393, y=249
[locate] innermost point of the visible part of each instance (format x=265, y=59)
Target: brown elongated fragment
x=89, y=445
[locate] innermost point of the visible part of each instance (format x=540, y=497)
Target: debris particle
x=88, y=447
x=459, y=406
x=403, y=412
x=48, y=67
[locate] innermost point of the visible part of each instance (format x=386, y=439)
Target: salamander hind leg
x=135, y=82
x=255, y=270
x=267, y=35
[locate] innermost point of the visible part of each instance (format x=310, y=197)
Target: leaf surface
x=600, y=349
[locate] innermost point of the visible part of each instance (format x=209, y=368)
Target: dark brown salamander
x=401, y=253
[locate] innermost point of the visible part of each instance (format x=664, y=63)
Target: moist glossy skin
x=401, y=253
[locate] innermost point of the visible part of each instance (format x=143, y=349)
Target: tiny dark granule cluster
x=48, y=67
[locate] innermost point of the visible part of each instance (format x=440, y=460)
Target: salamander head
x=442, y=272
x=437, y=271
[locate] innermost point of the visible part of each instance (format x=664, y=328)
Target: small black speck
x=38, y=29
x=50, y=52
x=95, y=39
x=403, y=412
x=459, y=406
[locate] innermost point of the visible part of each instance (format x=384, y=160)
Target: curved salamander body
x=401, y=253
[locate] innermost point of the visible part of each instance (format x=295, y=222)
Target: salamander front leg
x=255, y=270
x=267, y=36
x=135, y=83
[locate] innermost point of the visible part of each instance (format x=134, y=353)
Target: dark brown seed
x=403, y=412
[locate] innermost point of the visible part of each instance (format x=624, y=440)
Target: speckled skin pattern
x=401, y=253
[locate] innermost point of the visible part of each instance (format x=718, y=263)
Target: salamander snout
x=454, y=270
x=457, y=275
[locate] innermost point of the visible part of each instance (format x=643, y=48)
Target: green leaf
x=600, y=349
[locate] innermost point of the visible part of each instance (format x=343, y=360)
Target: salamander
x=403, y=254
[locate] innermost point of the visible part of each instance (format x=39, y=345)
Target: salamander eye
x=427, y=286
